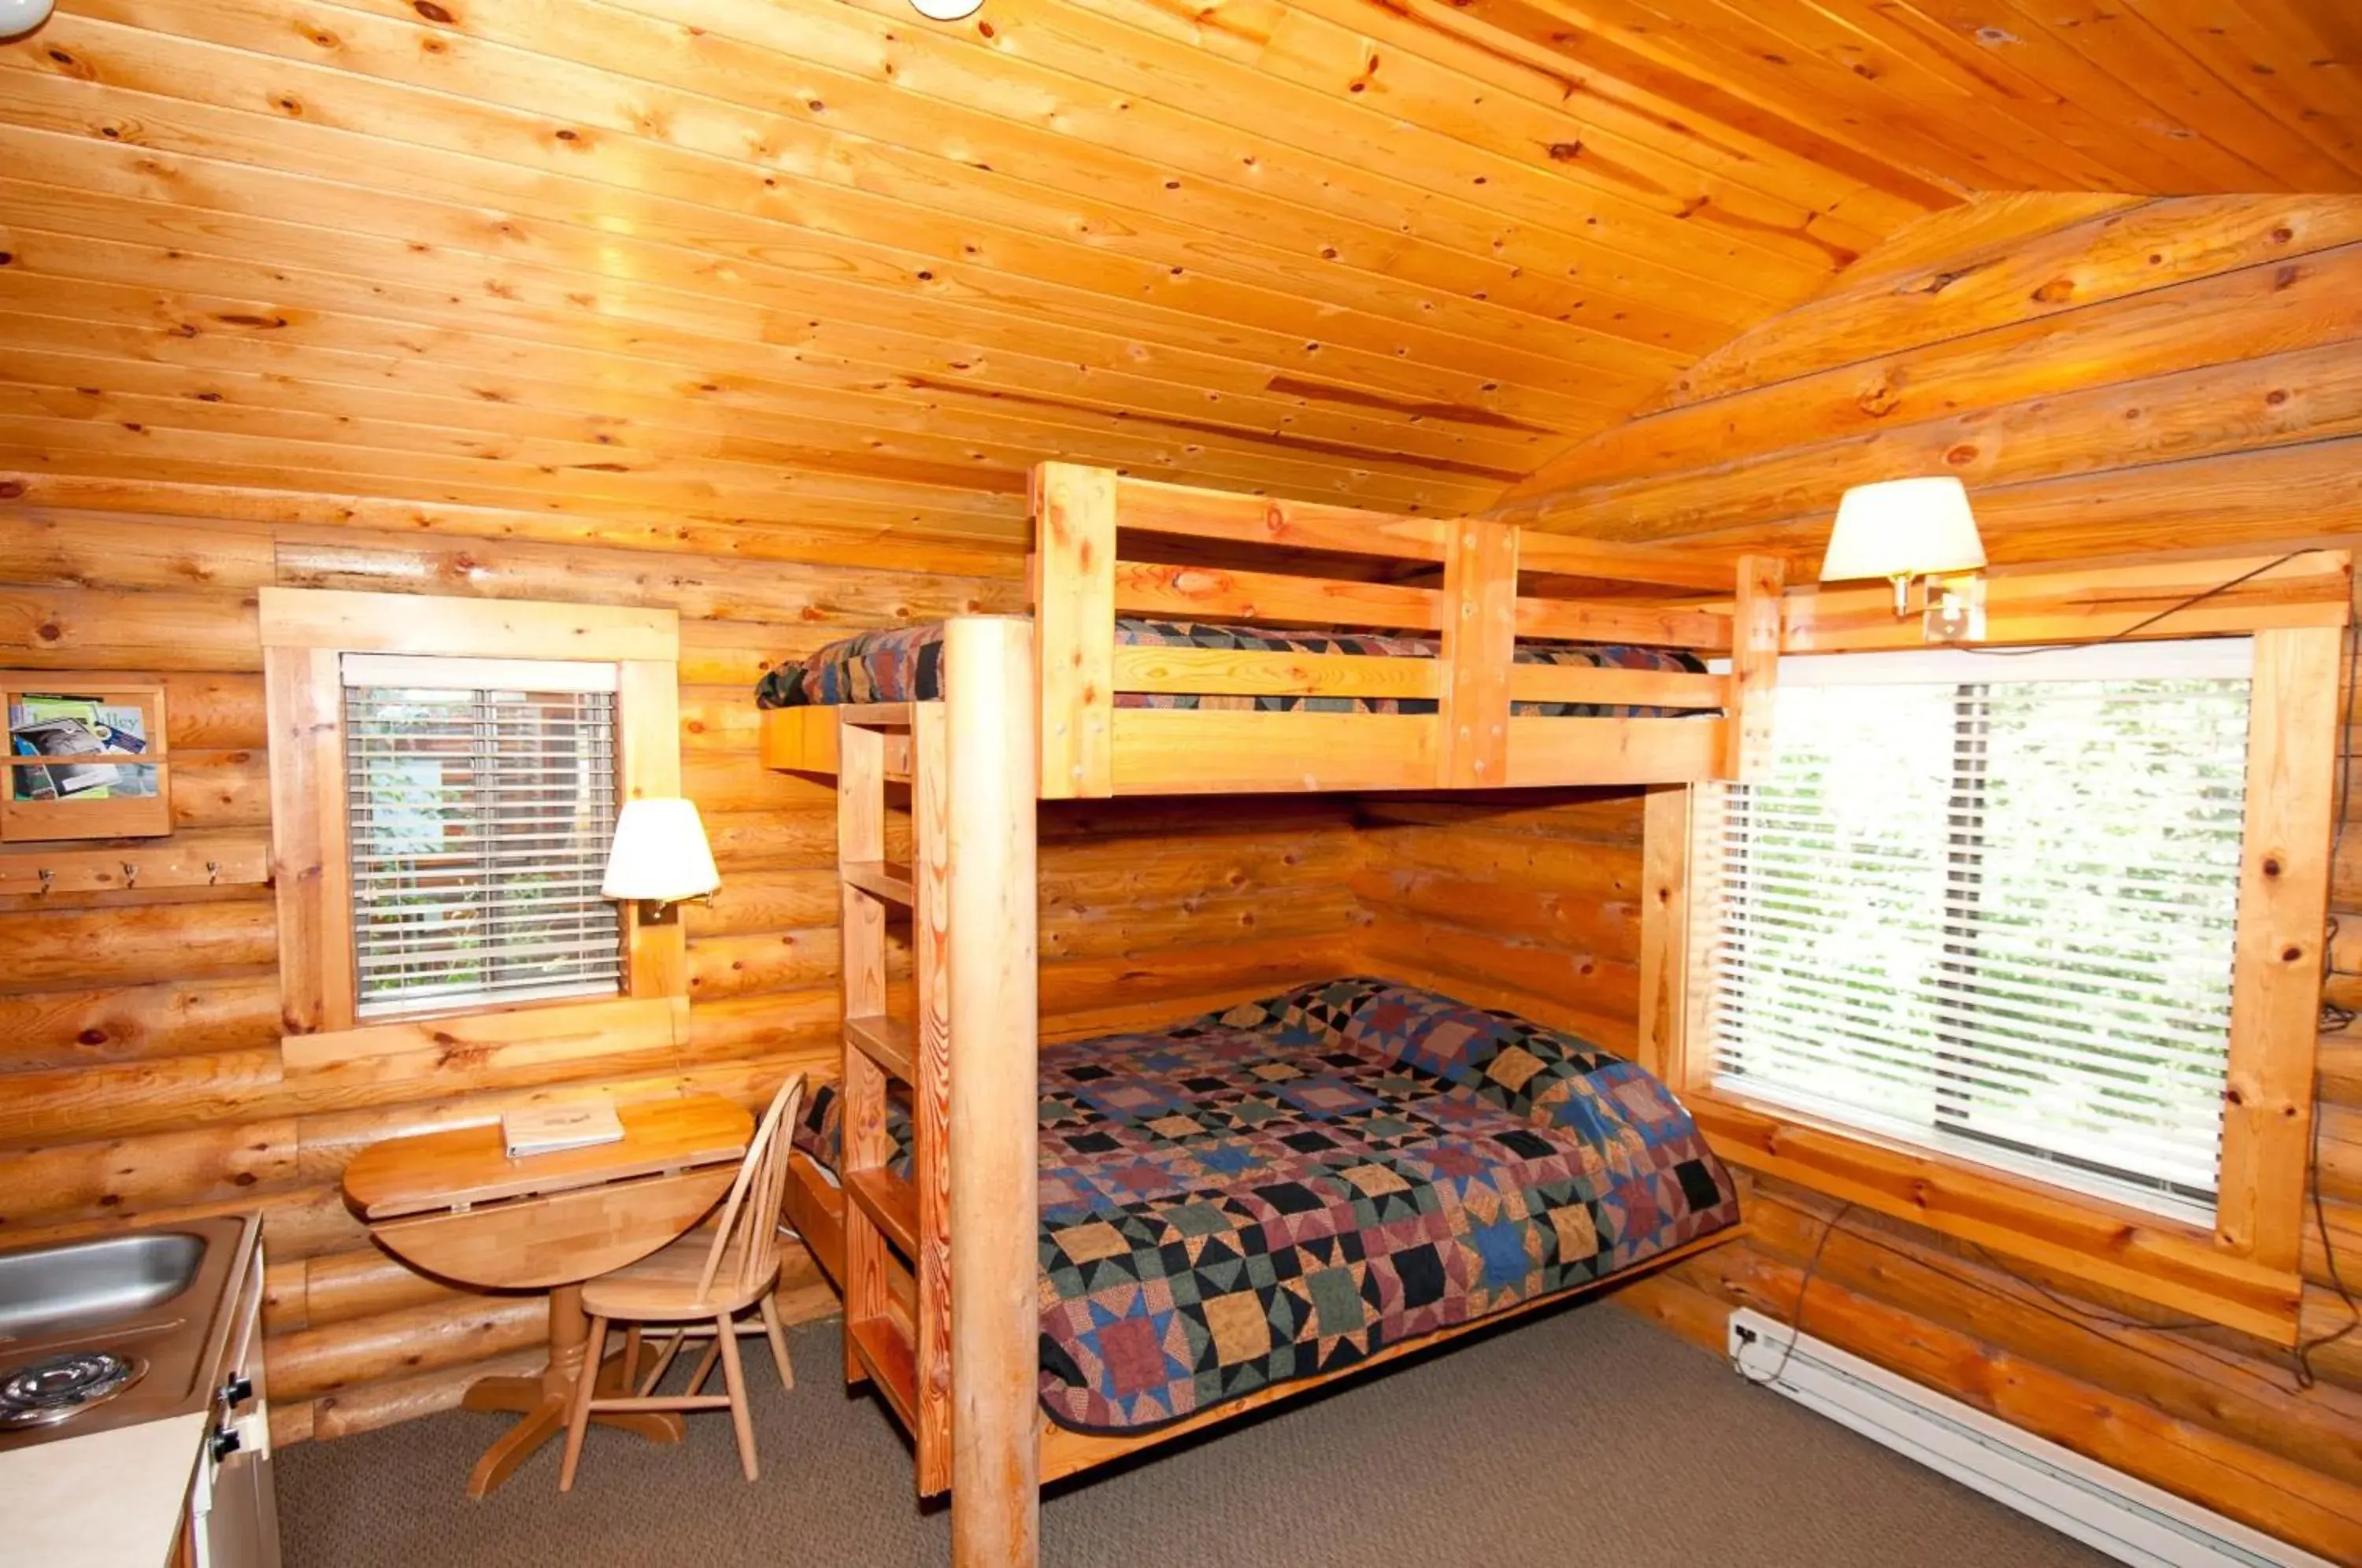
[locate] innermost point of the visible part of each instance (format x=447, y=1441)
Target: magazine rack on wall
x=87, y=757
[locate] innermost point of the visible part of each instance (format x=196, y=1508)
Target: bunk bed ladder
x=897, y=1268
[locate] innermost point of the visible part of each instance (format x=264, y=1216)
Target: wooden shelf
x=92, y=814
x=879, y=879
x=891, y=1204
x=887, y=1352
x=888, y=1041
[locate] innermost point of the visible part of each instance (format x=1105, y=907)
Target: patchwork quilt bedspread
x=1286, y=1188
x=905, y=665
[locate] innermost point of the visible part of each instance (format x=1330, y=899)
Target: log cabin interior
x=1662, y=688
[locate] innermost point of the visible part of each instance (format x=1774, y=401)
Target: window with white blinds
x=482, y=798
x=1986, y=904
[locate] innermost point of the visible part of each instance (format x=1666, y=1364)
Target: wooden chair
x=698, y=1286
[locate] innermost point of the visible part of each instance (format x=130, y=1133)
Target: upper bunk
x=1198, y=641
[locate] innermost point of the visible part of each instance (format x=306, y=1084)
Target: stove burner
x=41, y=1393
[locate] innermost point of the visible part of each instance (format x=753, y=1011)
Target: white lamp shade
x=661, y=853
x=1905, y=527
x=18, y=17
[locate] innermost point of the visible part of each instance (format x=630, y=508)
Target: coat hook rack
x=198, y=860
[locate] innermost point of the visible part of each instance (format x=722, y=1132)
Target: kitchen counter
x=114, y=1484
x=111, y=1499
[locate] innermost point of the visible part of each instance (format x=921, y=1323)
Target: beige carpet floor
x=1583, y=1437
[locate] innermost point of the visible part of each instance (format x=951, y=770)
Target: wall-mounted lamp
x=18, y=17
x=1906, y=528
x=660, y=858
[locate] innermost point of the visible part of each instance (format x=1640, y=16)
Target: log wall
x=139, y=1066
x=2155, y=379
x=1528, y=900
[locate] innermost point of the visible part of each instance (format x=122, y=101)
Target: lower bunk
x=1293, y=1189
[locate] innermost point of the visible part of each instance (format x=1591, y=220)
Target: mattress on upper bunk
x=1284, y=1187
x=905, y=664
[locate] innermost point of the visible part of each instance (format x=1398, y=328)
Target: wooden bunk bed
x=1122, y=719
x=1032, y=710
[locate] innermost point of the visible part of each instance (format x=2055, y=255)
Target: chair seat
x=662, y=1286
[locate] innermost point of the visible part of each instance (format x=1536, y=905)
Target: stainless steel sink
x=159, y=1297
x=88, y=1284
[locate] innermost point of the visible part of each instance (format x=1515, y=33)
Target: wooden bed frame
x=1028, y=713
x=815, y=1206
x=1090, y=748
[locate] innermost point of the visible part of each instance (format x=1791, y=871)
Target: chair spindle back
x=754, y=1201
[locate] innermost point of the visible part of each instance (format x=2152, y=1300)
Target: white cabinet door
x=236, y=1514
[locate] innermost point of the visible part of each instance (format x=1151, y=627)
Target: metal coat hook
x=47, y=876
x=213, y=872
x=130, y=875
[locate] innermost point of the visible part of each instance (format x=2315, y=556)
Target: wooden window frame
x=2243, y=1271
x=306, y=632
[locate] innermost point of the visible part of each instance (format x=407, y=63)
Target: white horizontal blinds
x=482, y=799
x=1994, y=913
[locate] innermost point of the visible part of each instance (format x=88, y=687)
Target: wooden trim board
x=545, y=1031
x=303, y=696
x=1199, y=752
x=1073, y=635
x=2284, y=871
x=1153, y=507
x=352, y=621
x=2090, y=603
x=2182, y=1268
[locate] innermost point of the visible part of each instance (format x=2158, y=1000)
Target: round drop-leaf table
x=455, y=1204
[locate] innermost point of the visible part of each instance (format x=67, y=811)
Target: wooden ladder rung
x=881, y=878
x=891, y=1204
x=886, y=1351
x=888, y=1042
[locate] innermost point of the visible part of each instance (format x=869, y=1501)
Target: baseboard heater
x=2105, y=1509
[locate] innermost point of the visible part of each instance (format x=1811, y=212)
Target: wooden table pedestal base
x=543, y=1401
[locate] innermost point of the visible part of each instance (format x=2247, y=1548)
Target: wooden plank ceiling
x=823, y=268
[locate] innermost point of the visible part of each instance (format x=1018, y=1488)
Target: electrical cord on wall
x=2305, y=1377
x=2065, y=1309
x=2065, y=1305
x=2137, y=627
x=2087, y=1313
x=1796, y=1312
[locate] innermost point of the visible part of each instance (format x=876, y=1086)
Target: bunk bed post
x=990, y=955
x=1665, y=979
x=930, y=1096
x=1074, y=609
x=1754, y=667
x=1480, y=640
